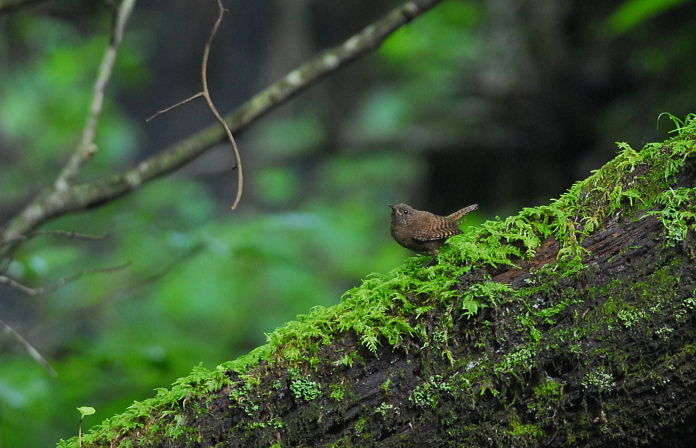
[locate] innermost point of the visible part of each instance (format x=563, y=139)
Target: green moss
x=347, y=359
x=370, y=309
x=426, y=394
x=599, y=380
x=398, y=309
x=176, y=430
x=547, y=395
x=682, y=312
x=385, y=385
x=303, y=388
x=386, y=409
x=338, y=392
x=529, y=432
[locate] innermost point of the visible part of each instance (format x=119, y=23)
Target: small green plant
x=84, y=410
x=385, y=409
x=679, y=124
x=337, y=392
x=676, y=216
x=386, y=385
x=303, y=388
x=599, y=380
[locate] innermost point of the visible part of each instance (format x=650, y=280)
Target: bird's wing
x=438, y=230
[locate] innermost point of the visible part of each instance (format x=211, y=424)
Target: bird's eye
x=405, y=212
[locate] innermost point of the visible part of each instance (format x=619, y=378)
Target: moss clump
x=303, y=388
x=538, y=329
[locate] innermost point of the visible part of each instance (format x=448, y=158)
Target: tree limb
x=51, y=202
x=54, y=202
x=61, y=233
x=58, y=283
x=87, y=147
x=28, y=347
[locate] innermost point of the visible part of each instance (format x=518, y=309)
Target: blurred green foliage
x=204, y=284
x=426, y=64
x=634, y=12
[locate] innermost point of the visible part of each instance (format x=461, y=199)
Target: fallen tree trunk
x=571, y=324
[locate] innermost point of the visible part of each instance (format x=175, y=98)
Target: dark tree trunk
x=571, y=324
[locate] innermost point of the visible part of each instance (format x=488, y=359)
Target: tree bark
x=571, y=324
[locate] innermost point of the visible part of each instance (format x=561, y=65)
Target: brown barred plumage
x=423, y=231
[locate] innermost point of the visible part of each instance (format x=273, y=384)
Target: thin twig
x=61, y=233
x=267, y=100
x=87, y=147
x=57, y=284
x=136, y=287
x=28, y=347
x=180, y=103
x=80, y=197
x=206, y=94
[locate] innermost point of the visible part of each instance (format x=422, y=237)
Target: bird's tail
x=460, y=214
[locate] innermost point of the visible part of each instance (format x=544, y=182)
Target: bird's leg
x=430, y=261
x=436, y=252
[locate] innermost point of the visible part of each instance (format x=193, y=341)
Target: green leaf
x=86, y=410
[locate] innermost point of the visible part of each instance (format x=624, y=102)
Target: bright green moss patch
x=501, y=329
x=527, y=431
x=338, y=392
x=303, y=388
x=628, y=183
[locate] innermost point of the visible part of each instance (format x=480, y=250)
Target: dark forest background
x=504, y=103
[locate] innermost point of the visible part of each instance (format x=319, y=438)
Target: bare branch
x=54, y=202
x=206, y=94
x=180, y=103
x=87, y=148
x=143, y=282
x=28, y=347
x=71, y=235
x=61, y=233
x=57, y=284
x=327, y=62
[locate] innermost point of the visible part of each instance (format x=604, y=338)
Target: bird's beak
x=391, y=206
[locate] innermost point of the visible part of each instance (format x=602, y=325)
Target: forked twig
x=63, y=187
x=206, y=94
x=28, y=347
x=204, y=76
x=53, y=202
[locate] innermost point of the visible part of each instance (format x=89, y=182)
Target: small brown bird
x=423, y=231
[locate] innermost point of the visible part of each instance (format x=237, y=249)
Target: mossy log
x=571, y=324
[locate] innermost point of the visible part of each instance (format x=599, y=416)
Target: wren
x=423, y=231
